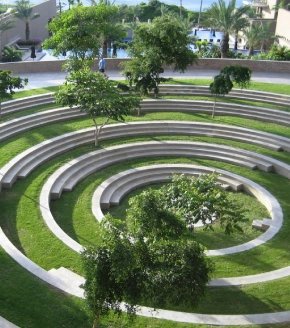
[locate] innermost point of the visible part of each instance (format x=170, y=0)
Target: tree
x=23, y=11
x=5, y=24
x=164, y=42
x=227, y=19
x=201, y=199
x=7, y=85
x=253, y=37
x=95, y=94
x=128, y=266
x=81, y=30
x=112, y=272
x=223, y=82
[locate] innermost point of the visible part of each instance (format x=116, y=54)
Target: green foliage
x=11, y=55
x=82, y=30
x=131, y=265
x=221, y=85
x=241, y=75
x=223, y=82
x=95, y=94
x=8, y=83
x=149, y=218
x=202, y=199
x=276, y=53
x=164, y=42
x=228, y=19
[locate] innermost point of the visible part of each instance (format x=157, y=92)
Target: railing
x=259, y=3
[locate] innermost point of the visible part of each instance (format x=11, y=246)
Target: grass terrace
x=28, y=302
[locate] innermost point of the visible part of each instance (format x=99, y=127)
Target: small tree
x=7, y=85
x=23, y=11
x=81, y=31
x=98, y=96
x=223, y=82
x=164, y=42
x=131, y=266
x=203, y=200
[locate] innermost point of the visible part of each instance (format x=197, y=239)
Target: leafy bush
x=276, y=53
x=11, y=55
x=30, y=42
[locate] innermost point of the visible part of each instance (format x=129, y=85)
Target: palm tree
x=5, y=24
x=23, y=11
x=253, y=37
x=266, y=35
x=227, y=19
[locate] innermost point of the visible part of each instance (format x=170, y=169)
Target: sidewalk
x=38, y=80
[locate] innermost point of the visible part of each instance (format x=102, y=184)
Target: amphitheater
x=63, y=161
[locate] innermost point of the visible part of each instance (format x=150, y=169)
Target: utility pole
x=180, y=13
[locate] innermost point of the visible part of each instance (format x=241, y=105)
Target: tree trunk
x=105, y=49
x=251, y=51
x=27, y=30
x=225, y=45
x=263, y=47
x=0, y=110
x=213, y=110
x=236, y=42
x=97, y=133
x=96, y=321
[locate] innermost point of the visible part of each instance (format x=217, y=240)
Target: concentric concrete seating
x=19, y=125
x=59, y=179
x=222, y=109
x=63, y=284
x=111, y=191
x=17, y=105
x=244, y=94
x=24, y=163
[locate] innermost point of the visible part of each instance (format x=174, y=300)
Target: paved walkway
x=37, y=80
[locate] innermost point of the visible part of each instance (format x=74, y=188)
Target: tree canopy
x=8, y=83
x=226, y=18
x=81, y=31
x=164, y=42
x=224, y=82
x=95, y=94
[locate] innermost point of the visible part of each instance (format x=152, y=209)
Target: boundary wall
x=113, y=64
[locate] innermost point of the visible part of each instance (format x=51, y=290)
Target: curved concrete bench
x=77, y=169
x=149, y=105
x=12, y=106
x=85, y=165
x=111, y=191
x=19, y=125
x=244, y=94
x=222, y=109
x=24, y=163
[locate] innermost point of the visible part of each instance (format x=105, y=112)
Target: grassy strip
x=13, y=146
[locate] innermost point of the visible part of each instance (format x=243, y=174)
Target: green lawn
x=28, y=302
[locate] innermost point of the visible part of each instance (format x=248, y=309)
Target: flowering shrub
x=30, y=42
x=275, y=53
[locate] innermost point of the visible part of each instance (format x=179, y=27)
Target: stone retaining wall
x=113, y=64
